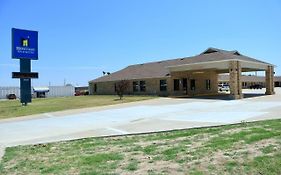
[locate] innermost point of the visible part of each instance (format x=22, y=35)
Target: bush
x=121, y=87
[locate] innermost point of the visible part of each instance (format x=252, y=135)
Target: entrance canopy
x=231, y=62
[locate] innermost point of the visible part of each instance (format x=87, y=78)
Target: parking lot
x=139, y=117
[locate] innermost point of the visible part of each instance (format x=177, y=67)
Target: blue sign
x=24, y=44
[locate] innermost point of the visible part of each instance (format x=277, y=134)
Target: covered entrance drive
x=202, y=76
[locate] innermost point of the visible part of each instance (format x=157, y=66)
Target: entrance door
x=184, y=85
x=192, y=84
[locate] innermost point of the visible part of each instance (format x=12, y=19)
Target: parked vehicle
x=79, y=93
x=11, y=96
x=256, y=86
x=223, y=87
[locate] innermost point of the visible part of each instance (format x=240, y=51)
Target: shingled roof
x=159, y=69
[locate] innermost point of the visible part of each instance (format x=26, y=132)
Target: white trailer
x=61, y=91
x=51, y=91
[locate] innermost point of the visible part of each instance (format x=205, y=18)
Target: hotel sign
x=25, y=48
x=24, y=44
x=24, y=75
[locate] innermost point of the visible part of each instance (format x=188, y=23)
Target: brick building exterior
x=197, y=75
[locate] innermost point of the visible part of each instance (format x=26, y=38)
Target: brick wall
x=153, y=85
x=200, y=78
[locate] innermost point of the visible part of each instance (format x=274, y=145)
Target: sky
x=78, y=40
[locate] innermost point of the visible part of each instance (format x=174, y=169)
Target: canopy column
x=235, y=82
x=269, y=74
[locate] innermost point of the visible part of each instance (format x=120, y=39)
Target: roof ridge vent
x=210, y=50
x=235, y=52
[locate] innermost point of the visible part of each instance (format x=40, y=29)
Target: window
x=208, y=84
x=163, y=85
x=192, y=84
x=95, y=87
x=243, y=84
x=176, y=84
x=115, y=87
x=142, y=86
x=135, y=86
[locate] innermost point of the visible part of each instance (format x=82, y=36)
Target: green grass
x=225, y=141
x=171, y=153
x=267, y=164
x=268, y=149
x=231, y=165
x=150, y=149
x=133, y=165
x=247, y=148
x=13, y=108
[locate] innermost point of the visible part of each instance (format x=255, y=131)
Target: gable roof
x=159, y=69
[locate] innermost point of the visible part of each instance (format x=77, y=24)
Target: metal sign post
x=25, y=48
x=25, y=83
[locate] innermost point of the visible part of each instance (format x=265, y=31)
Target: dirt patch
x=192, y=153
x=240, y=153
x=166, y=167
x=235, y=130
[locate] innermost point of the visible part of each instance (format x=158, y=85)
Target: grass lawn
x=246, y=148
x=13, y=108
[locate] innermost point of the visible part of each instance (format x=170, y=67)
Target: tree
x=121, y=87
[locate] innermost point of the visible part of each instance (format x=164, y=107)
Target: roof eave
x=206, y=62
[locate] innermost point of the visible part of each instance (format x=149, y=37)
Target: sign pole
x=25, y=83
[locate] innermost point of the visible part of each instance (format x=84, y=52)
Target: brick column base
x=235, y=80
x=269, y=74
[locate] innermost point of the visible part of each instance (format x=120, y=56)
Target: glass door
x=184, y=85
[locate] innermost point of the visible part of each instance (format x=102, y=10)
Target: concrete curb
x=2, y=152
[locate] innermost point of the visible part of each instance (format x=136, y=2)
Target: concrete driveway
x=146, y=116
